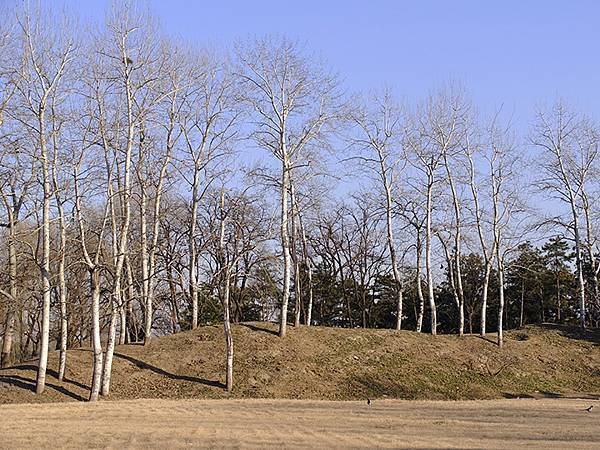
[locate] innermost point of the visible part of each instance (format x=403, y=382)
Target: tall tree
x=569, y=149
x=292, y=100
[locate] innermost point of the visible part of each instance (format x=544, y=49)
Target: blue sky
x=511, y=53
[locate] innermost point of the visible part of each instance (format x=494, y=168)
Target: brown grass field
x=253, y=423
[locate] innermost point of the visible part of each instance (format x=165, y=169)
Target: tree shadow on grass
x=29, y=385
x=487, y=339
x=259, y=329
x=144, y=365
x=549, y=394
x=51, y=372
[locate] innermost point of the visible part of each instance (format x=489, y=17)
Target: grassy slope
x=330, y=363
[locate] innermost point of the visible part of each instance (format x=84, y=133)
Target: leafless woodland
x=150, y=186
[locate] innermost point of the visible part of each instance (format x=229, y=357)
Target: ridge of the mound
x=332, y=363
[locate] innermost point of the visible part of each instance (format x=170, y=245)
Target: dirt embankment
x=332, y=364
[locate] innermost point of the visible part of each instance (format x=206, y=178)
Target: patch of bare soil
x=494, y=424
x=332, y=364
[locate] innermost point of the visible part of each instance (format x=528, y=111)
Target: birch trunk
x=62, y=285
x=62, y=293
x=228, y=333
x=193, y=286
x=294, y=254
x=428, y=263
x=226, y=276
x=45, y=266
x=9, y=324
x=457, y=248
x=420, y=296
x=501, y=300
x=96, y=342
x=124, y=231
x=308, y=263
x=144, y=260
x=285, y=247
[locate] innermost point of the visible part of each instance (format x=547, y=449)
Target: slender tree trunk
x=308, y=264
x=62, y=292
x=145, y=270
x=501, y=301
x=122, y=321
x=484, y=296
x=45, y=266
x=96, y=342
x=193, y=285
x=228, y=334
x=522, y=303
x=226, y=277
x=420, y=296
x=285, y=247
x=128, y=305
x=9, y=324
x=295, y=259
x=392, y=244
x=123, y=238
x=428, y=263
x=110, y=347
x=579, y=265
x=558, y=305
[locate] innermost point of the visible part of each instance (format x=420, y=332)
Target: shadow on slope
x=144, y=365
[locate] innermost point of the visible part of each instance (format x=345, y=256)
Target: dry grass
x=333, y=364
x=501, y=424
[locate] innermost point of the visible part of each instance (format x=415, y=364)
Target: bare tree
x=379, y=136
x=569, y=145
x=293, y=100
x=208, y=120
x=47, y=55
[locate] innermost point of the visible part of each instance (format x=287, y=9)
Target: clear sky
x=505, y=52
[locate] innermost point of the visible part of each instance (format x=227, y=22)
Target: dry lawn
x=505, y=424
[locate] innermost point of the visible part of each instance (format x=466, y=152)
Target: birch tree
x=292, y=100
x=379, y=138
x=568, y=145
x=48, y=52
x=208, y=123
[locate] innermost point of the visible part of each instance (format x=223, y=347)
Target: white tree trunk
x=45, y=266
x=193, y=286
x=308, y=263
x=428, y=263
x=9, y=324
x=295, y=259
x=420, y=296
x=62, y=293
x=501, y=300
x=285, y=247
x=96, y=342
